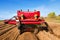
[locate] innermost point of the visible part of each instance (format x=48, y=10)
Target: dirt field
x=10, y=32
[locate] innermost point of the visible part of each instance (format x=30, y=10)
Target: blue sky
x=8, y=8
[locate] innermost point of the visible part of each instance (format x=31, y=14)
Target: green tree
x=52, y=15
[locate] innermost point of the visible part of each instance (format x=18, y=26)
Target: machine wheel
x=6, y=22
x=48, y=28
x=21, y=29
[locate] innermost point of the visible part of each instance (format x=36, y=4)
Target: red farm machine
x=29, y=21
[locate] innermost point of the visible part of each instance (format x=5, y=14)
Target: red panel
x=29, y=17
x=39, y=22
x=28, y=14
x=29, y=20
x=12, y=22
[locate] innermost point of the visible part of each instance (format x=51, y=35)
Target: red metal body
x=29, y=17
x=10, y=21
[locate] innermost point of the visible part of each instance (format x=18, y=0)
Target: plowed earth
x=11, y=32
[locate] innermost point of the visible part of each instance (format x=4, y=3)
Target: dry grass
x=52, y=20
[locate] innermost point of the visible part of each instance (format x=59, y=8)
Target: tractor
x=29, y=21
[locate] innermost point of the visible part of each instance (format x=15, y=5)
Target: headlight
x=22, y=16
x=35, y=16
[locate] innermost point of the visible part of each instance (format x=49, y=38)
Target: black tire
x=5, y=22
x=46, y=24
x=21, y=30
x=48, y=28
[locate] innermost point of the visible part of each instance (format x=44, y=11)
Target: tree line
x=52, y=15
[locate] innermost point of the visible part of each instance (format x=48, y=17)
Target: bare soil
x=12, y=33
